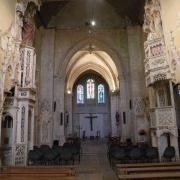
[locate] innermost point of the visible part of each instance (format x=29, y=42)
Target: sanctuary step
x=38, y=173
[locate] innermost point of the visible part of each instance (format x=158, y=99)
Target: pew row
x=38, y=173
x=166, y=170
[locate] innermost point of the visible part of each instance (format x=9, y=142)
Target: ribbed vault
x=98, y=61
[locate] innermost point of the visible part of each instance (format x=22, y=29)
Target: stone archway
x=100, y=62
x=99, y=46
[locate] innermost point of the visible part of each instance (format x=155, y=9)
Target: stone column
x=59, y=114
x=46, y=87
x=125, y=121
x=137, y=80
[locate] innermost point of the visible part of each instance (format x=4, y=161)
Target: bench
x=38, y=173
x=162, y=175
x=148, y=164
x=167, y=170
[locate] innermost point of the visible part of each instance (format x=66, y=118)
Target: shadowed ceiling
x=68, y=14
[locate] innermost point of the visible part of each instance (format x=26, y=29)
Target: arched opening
x=92, y=85
x=91, y=106
x=7, y=138
x=98, y=61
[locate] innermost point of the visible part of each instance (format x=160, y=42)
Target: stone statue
x=28, y=24
x=152, y=19
x=19, y=21
x=158, y=23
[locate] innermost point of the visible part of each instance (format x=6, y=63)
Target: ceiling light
x=112, y=90
x=93, y=23
x=69, y=92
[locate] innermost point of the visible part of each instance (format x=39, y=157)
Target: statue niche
x=29, y=24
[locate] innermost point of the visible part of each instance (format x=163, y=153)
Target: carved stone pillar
x=158, y=72
x=19, y=73
x=26, y=104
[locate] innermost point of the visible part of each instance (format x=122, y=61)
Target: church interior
x=89, y=89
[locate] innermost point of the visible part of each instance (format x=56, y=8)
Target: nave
x=94, y=163
x=90, y=70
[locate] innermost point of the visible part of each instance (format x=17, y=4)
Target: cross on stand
x=91, y=117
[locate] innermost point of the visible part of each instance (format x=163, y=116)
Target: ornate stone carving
x=139, y=105
x=28, y=24
x=45, y=106
x=162, y=117
x=45, y=123
x=160, y=77
x=157, y=66
x=152, y=19
x=22, y=123
x=20, y=154
x=28, y=62
x=165, y=117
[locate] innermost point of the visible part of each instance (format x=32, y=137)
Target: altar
x=91, y=125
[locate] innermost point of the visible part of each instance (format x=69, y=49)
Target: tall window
x=80, y=94
x=101, y=96
x=90, y=89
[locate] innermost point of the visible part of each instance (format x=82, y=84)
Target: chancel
x=89, y=89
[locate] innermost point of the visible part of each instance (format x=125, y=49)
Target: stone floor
x=94, y=163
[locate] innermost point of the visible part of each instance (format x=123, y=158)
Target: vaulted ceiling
x=78, y=13
x=98, y=61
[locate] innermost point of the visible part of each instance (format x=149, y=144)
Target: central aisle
x=94, y=163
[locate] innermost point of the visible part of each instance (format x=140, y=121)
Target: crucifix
x=91, y=117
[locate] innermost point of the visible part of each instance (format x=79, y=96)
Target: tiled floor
x=94, y=163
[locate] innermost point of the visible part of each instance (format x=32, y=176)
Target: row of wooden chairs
x=57, y=155
x=132, y=154
x=143, y=171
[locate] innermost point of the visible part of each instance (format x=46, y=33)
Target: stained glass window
x=101, y=97
x=80, y=94
x=90, y=89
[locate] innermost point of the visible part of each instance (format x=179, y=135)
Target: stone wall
x=123, y=46
x=7, y=9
